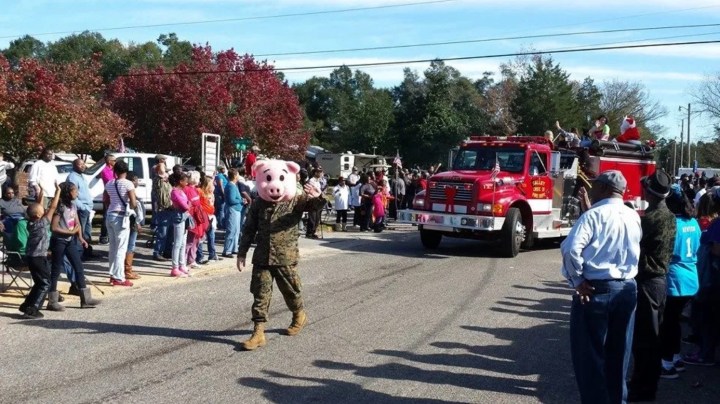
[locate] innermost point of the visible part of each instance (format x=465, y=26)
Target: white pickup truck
x=139, y=163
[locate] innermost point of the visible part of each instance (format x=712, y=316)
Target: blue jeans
x=210, y=238
x=63, y=251
x=132, y=240
x=601, y=334
x=220, y=211
x=69, y=270
x=40, y=271
x=179, y=241
x=232, y=231
x=84, y=217
x=162, y=222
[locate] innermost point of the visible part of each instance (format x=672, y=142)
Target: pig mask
x=276, y=180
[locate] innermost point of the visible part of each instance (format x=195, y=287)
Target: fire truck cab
x=519, y=189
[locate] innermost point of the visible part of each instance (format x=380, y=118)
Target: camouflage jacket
x=658, y=241
x=274, y=227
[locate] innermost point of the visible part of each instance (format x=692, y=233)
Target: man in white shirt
x=354, y=177
x=4, y=166
x=705, y=184
x=43, y=177
x=600, y=260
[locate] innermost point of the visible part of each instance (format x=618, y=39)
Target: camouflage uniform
x=274, y=226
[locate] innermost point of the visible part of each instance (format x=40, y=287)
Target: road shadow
x=558, y=288
x=407, y=244
x=521, y=361
x=91, y=327
x=324, y=391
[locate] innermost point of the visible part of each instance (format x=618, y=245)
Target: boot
x=298, y=322
x=74, y=290
x=53, y=304
x=344, y=227
x=129, y=273
x=257, y=339
x=86, y=300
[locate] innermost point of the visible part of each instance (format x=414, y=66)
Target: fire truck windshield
x=510, y=159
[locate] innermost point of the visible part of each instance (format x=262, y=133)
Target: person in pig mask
x=272, y=221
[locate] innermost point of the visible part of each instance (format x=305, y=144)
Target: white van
x=139, y=163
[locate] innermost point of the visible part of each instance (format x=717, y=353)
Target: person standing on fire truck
x=656, y=248
x=600, y=260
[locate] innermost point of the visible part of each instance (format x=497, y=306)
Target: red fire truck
x=519, y=189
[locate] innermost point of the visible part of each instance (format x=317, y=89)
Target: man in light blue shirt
x=84, y=202
x=600, y=260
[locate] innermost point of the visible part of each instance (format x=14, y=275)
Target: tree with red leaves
x=223, y=93
x=56, y=106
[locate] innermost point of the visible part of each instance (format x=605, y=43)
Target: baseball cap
x=613, y=178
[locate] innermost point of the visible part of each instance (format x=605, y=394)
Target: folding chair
x=13, y=265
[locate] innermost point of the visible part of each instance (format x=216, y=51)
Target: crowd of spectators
x=634, y=278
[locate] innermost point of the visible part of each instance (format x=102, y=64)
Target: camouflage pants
x=261, y=286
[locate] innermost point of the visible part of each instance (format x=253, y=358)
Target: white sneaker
x=194, y=265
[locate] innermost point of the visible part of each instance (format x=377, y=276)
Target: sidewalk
x=154, y=273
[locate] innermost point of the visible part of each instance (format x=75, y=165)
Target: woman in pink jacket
x=181, y=206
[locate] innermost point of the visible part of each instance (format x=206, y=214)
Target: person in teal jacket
x=682, y=280
x=233, y=214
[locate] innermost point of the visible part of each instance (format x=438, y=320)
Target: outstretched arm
x=54, y=204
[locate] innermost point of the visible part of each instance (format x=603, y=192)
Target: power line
x=261, y=17
x=508, y=38
x=415, y=61
x=569, y=48
x=662, y=38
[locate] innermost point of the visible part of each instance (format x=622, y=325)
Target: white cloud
x=599, y=73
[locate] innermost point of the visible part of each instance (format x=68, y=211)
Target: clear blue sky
x=669, y=73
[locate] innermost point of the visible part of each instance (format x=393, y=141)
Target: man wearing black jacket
x=656, y=247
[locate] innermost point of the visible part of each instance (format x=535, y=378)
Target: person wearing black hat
x=600, y=259
x=686, y=185
x=656, y=248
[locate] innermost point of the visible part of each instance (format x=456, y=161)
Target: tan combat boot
x=257, y=339
x=298, y=323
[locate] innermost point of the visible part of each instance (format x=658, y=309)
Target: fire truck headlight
x=419, y=203
x=484, y=207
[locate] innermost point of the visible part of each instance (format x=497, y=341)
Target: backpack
x=162, y=190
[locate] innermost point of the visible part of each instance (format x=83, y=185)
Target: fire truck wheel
x=512, y=233
x=430, y=239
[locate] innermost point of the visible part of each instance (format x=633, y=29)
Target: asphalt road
x=388, y=323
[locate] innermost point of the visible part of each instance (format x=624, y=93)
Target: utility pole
x=688, y=108
x=680, y=108
x=674, y=156
x=682, y=137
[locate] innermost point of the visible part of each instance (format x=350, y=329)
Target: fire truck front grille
x=464, y=191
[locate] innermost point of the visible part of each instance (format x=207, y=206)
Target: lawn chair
x=12, y=262
x=12, y=265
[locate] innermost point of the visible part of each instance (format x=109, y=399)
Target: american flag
x=397, y=161
x=496, y=169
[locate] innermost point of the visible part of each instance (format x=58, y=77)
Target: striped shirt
x=118, y=202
